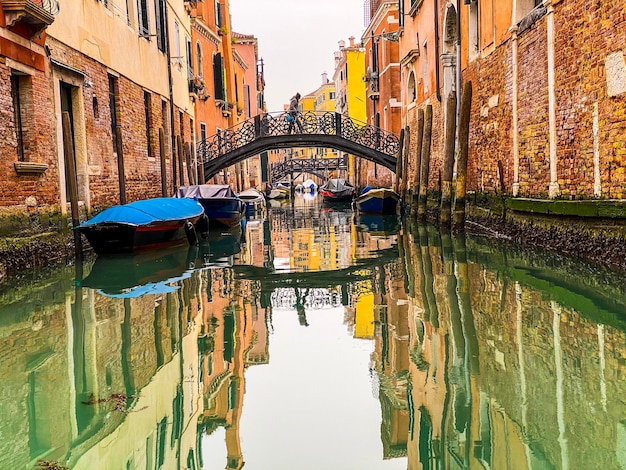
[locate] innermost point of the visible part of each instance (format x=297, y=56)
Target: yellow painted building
x=318, y=101
x=350, y=89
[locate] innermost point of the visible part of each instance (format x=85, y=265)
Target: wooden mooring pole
x=418, y=158
x=425, y=163
x=70, y=164
x=458, y=222
x=181, y=157
x=445, y=214
x=121, y=173
x=404, y=184
x=399, y=166
x=163, y=162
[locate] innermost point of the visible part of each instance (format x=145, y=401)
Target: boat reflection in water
x=127, y=276
x=413, y=350
x=379, y=224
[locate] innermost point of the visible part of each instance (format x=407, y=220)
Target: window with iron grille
x=17, y=115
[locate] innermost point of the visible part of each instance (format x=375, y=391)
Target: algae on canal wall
x=35, y=239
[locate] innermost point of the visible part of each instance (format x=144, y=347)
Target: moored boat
x=309, y=186
x=377, y=201
x=254, y=199
x=144, y=224
x=337, y=190
x=279, y=191
x=220, y=203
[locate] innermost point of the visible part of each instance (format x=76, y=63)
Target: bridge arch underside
x=214, y=166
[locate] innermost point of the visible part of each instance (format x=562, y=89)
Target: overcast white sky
x=297, y=40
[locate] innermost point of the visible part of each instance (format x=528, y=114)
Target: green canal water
x=316, y=339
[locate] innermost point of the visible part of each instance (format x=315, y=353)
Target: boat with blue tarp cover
x=144, y=224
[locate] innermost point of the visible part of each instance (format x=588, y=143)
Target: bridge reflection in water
x=479, y=355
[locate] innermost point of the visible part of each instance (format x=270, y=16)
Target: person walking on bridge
x=293, y=114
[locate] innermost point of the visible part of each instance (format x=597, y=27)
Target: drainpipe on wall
x=458, y=61
x=437, y=55
x=171, y=91
x=515, y=119
x=554, y=182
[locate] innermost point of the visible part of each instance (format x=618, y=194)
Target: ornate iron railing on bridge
x=313, y=123
x=313, y=166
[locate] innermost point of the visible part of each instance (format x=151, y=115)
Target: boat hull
x=221, y=205
x=114, y=238
x=378, y=201
x=143, y=225
x=226, y=212
x=255, y=201
x=337, y=190
x=344, y=196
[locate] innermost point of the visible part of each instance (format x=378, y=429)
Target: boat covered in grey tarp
x=337, y=190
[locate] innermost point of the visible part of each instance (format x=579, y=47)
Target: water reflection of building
x=126, y=382
x=390, y=357
x=527, y=382
x=483, y=358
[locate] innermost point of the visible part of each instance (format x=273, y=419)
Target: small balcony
x=35, y=15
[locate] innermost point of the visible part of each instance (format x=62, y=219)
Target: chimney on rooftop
x=351, y=38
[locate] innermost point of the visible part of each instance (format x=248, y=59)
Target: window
x=16, y=92
x=159, y=7
x=177, y=43
x=425, y=67
x=411, y=90
x=143, y=23
x=524, y=7
x=401, y=12
x=189, y=58
x=218, y=77
x=473, y=29
x=199, y=71
x=218, y=14
x=202, y=132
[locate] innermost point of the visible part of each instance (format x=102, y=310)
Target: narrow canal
x=316, y=339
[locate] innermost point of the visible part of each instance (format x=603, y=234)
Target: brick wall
x=38, y=136
x=587, y=33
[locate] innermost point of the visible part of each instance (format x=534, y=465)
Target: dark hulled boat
x=220, y=203
x=337, y=190
x=144, y=224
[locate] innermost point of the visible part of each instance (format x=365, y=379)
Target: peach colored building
x=382, y=76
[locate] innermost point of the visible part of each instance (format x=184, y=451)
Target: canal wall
x=591, y=230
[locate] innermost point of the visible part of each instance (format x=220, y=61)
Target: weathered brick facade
x=566, y=99
x=63, y=74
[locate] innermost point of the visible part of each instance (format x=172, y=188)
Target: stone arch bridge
x=319, y=129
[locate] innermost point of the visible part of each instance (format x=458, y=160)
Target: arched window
x=199, y=70
x=411, y=92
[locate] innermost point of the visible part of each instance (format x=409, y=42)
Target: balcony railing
x=36, y=15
